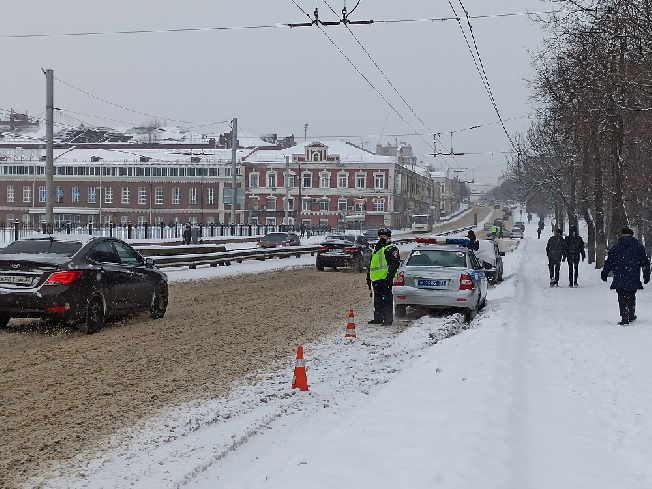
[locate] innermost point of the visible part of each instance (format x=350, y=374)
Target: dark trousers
x=553, y=267
x=383, y=302
x=627, y=304
x=572, y=270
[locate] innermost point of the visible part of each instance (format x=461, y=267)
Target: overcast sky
x=275, y=80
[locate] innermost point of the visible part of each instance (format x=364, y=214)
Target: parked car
x=273, y=240
x=441, y=273
x=79, y=279
x=520, y=224
x=371, y=235
x=492, y=259
x=344, y=250
x=516, y=233
x=487, y=226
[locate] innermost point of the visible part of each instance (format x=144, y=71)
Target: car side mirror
x=149, y=263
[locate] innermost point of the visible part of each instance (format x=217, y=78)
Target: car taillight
x=350, y=249
x=63, y=278
x=323, y=248
x=58, y=309
x=466, y=282
x=399, y=279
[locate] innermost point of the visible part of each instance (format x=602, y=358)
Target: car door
x=139, y=285
x=109, y=279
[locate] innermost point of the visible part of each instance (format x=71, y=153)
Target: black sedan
x=273, y=240
x=78, y=278
x=344, y=250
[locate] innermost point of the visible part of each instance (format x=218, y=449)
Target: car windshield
x=275, y=237
x=371, y=233
x=436, y=258
x=38, y=246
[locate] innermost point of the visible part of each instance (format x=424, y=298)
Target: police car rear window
x=436, y=258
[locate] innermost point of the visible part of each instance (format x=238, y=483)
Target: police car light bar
x=442, y=240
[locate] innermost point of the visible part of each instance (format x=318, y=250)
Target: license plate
x=15, y=279
x=431, y=283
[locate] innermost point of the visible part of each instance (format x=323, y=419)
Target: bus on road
x=421, y=223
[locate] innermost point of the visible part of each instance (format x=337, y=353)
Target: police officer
x=384, y=265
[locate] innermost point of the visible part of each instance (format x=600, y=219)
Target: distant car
x=491, y=257
x=79, y=279
x=520, y=224
x=371, y=235
x=516, y=233
x=487, y=226
x=441, y=273
x=344, y=251
x=273, y=240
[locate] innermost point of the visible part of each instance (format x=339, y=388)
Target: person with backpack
x=556, y=251
x=574, y=248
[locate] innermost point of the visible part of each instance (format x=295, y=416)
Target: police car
x=441, y=273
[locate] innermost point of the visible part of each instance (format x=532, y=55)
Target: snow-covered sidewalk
x=541, y=390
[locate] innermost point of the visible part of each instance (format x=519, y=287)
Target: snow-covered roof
x=347, y=153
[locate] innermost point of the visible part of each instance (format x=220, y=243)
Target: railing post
x=145, y=225
x=128, y=229
x=162, y=226
x=111, y=230
x=212, y=229
x=90, y=228
x=16, y=230
x=68, y=227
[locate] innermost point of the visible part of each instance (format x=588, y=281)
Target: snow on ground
x=541, y=390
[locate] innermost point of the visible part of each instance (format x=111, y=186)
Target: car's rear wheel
x=400, y=310
x=4, y=320
x=320, y=268
x=94, y=316
x=159, y=304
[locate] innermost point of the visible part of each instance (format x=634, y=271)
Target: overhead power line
x=257, y=27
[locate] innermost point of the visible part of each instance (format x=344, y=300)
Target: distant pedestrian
x=494, y=231
x=556, y=251
x=626, y=259
x=473, y=240
x=574, y=248
x=187, y=234
x=384, y=264
x=552, y=227
x=540, y=228
x=302, y=228
x=529, y=218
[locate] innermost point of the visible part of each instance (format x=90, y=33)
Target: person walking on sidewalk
x=540, y=228
x=626, y=259
x=574, y=248
x=384, y=264
x=556, y=251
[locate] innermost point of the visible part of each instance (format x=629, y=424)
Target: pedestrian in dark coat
x=473, y=240
x=384, y=264
x=626, y=259
x=574, y=249
x=556, y=250
x=187, y=234
x=540, y=228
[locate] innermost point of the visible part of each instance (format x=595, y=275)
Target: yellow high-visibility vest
x=378, y=268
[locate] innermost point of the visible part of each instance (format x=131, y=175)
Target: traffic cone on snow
x=350, y=327
x=300, y=379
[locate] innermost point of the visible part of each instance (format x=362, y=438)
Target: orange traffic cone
x=300, y=379
x=350, y=327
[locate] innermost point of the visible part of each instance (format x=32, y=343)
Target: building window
x=323, y=205
x=342, y=180
x=341, y=205
x=324, y=180
x=306, y=204
x=379, y=206
x=42, y=194
x=59, y=195
x=10, y=193
x=271, y=203
x=253, y=180
x=108, y=195
x=271, y=180
x=141, y=220
x=192, y=196
x=227, y=171
x=360, y=206
x=210, y=196
x=124, y=220
x=92, y=195
x=176, y=195
x=360, y=180
x=379, y=180
x=291, y=204
x=306, y=180
x=27, y=194
x=125, y=195
x=159, y=195
x=76, y=195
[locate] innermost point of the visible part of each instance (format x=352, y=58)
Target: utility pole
x=49, y=150
x=287, y=189
x=234, y=148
